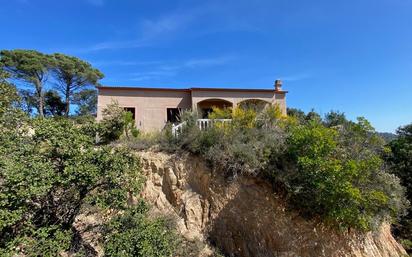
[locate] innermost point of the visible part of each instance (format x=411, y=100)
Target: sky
x=353, y=56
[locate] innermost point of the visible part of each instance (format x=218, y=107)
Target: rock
x=244, y=217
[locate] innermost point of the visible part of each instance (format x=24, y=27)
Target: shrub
x=220, y=113
x=129, y=125
x=113, y=123
x=333, y=173
x=132, y=233
x=399, y=159
x=333, y=179
x=329, y=169
x=47, y=175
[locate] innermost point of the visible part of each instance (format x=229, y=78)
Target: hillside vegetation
x=330, y=169
x=51, y=170
x=55, y=166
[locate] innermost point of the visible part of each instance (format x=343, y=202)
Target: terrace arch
x=257, y=105
x=205, y=106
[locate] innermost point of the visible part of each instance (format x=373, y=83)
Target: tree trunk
x=67, y=95
x=40, y=98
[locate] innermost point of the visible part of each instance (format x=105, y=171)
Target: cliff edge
x=244, y=217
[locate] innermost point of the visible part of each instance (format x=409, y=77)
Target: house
x=152, y=108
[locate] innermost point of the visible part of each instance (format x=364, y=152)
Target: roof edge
x=192, y=89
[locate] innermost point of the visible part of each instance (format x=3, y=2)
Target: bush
x=115, y=123
x=331, y=172
x=48, y=173
x=132, y=233
x=331, y=181
x=328, y=169
x=399, y=159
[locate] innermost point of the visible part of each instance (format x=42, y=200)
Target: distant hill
x=387, y=136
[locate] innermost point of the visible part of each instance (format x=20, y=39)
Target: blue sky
x=354, y=56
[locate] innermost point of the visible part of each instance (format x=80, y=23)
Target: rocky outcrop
x=244, y=217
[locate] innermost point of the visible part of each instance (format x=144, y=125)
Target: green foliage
x=132, y=233
x=29, y=66
x=400, y=161
x=129, y=125
x=27, y=101
x=70, y=74
x=49, y=170
x=329, y=169
x=219, y=113
x=335, y=118
x=8, y=94
x=73, y=74
x=86, y=101
x=53, y=104
x=337, y=181
x=113, y=123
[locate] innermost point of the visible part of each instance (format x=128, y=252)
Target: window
x=173, y=115
x=132, y=110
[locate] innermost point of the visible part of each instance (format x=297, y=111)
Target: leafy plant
x=399, y=159
x=30, y=67
x=133, y=233
x=49, y=171
x=72, y=75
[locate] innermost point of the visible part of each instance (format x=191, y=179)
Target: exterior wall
x=150, y=105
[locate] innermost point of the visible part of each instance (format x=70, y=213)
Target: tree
x=28, y=101
x=73, y=74
x=335, y=118
x=29, y=66
x=86, y=101
x=400, y=161
x=8, y=93
x=313, y=116
x=54, y=106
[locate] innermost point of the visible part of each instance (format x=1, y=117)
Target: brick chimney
x=278, y=85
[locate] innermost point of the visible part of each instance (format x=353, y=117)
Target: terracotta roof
x=190, y=89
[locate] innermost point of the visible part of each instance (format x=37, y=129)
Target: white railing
x=177, y=129
x=203, y=124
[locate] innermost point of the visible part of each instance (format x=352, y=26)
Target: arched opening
x=205, y=107
x=255, y=104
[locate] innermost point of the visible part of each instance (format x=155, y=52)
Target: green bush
x=331, y=181
x=116, y=122
x=329, y=169
x=112, y=126
x=49, y=170
x=399, y=159
x=132, y=233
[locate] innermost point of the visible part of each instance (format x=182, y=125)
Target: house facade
x=153, y=108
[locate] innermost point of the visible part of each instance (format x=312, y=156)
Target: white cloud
x=114, y=45
x=149, y=31
x=172, y=69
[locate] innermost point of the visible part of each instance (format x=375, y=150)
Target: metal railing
x=203, y=124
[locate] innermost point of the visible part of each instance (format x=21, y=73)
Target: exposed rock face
x=244, y=217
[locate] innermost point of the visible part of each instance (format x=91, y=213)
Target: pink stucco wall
x=151, y=104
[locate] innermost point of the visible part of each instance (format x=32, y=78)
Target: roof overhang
x=192, y=89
